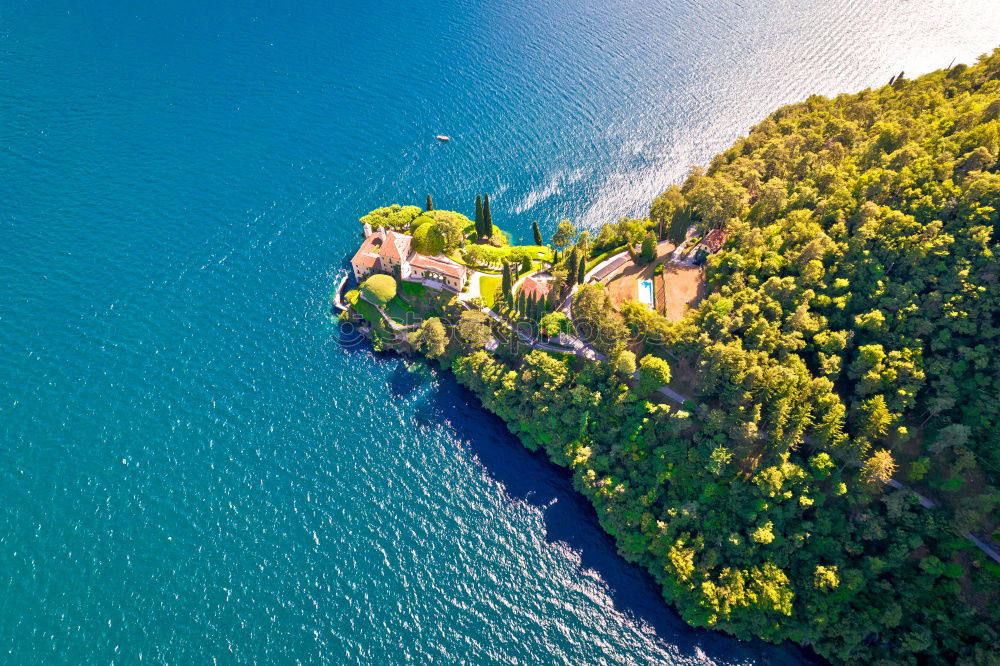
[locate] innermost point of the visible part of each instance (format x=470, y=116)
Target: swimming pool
x=646, y=292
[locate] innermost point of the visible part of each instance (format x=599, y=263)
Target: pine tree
x=572, y=266
x=430, y=204
x=479, y=216
x=878, y=469
x=537, y=232
x=487, y=217
x=582, y=274
x=873, y=417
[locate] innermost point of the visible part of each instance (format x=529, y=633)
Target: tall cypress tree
x=487, y=217
x=506, y=284
x=582, y=275
x=479, y=216
x=522, y=302
x=537, y=232
x=572, y=266
x=430, y=203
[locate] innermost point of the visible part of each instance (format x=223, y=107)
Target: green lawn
x=541, y=252
x=411, y=292
x=367, y=310
x=488, y=286
x=397, y=310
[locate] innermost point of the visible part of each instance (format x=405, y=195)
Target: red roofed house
x=386, y=251
x=533, y=287
x=714, y=241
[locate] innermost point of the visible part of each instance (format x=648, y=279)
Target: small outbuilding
x=714, y=241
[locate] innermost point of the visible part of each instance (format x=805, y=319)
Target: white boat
x=442, y=137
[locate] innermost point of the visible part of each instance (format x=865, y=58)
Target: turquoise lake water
x=194, y=467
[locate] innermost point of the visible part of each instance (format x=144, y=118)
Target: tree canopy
x=565, y=235
x=474, y=328
x=850, y=337
x=452, y=226
x=654, y=373
x=431, y=338
x=648, y=251
x=395, y=217
x=428, y=239
x=554, y=323
x=596, y=318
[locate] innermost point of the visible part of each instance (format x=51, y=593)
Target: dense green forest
x=850, y=338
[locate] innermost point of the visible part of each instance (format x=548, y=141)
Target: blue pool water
x=194, y=467
x=646, y=292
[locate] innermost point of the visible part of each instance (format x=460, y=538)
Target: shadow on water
x=569, y=517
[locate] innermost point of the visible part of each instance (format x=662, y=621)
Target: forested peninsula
x=810, y=451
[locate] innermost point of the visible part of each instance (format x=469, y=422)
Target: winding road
x=928, y=503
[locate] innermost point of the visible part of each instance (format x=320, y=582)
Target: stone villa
x=388, y=251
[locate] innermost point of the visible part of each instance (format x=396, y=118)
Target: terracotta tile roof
x=536, y=288
x=386, y=244
x=396, y=245
x=439, y=264
x=365, y=260
x=715, y=239
x=367, y=254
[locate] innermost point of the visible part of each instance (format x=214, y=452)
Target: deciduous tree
x=430, y=338
x=654, y=372
x=564, y=236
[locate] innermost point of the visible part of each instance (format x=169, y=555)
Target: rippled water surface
x=194, y=467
